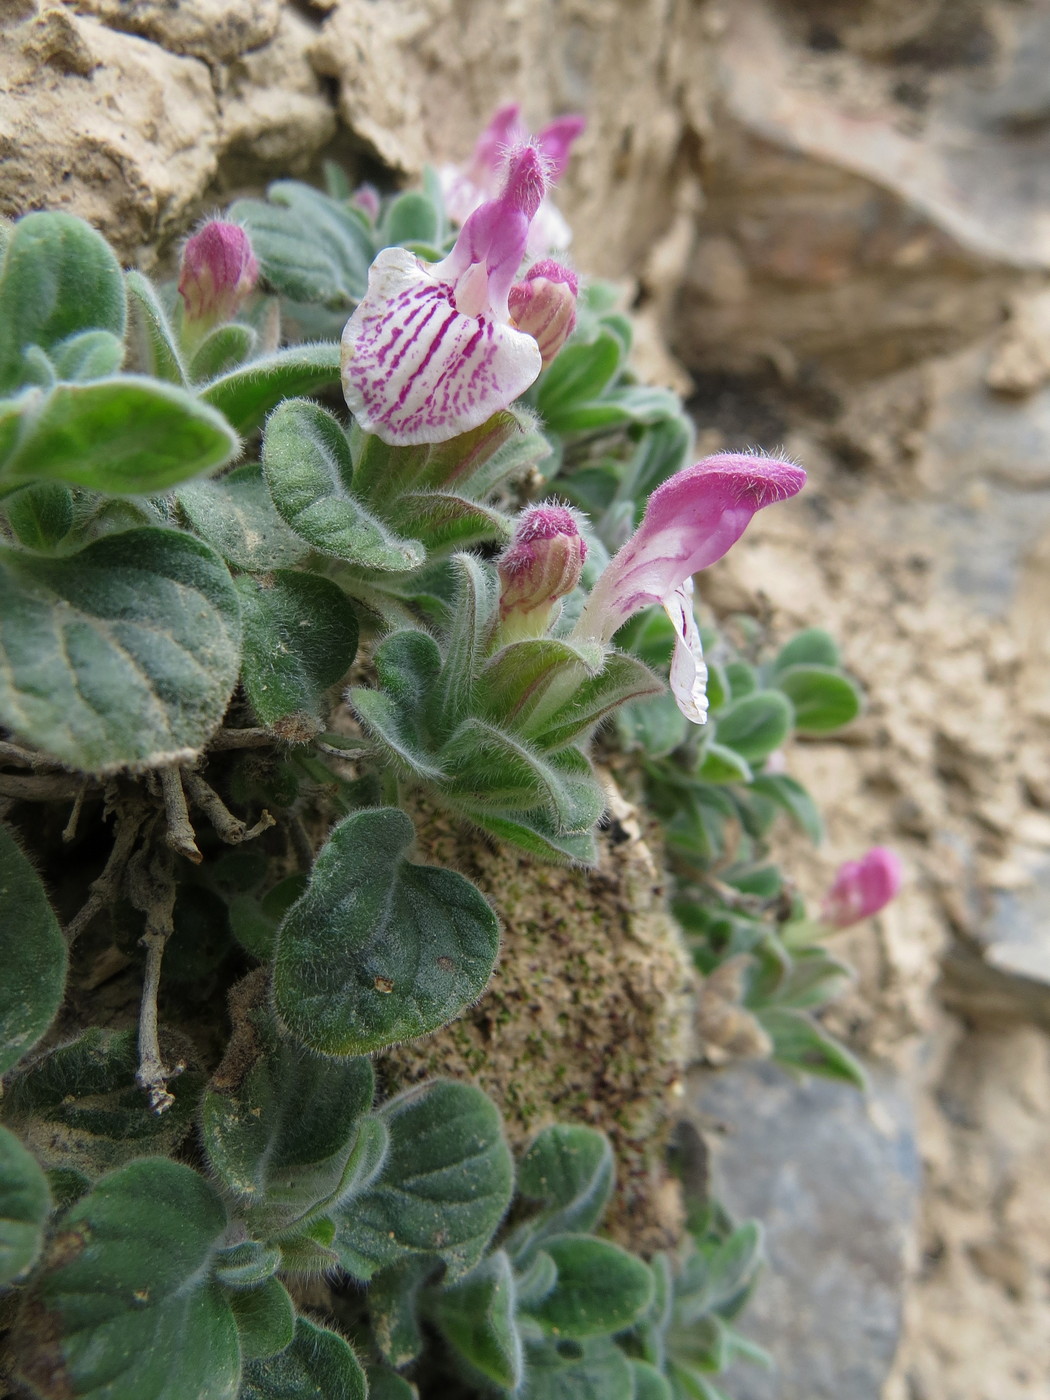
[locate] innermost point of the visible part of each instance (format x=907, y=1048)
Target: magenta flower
x=862, y=887
x=466, y=187
x=542, y=563
x=543, y=304
x=689, y=523
x=217, y=273
x=430, y=351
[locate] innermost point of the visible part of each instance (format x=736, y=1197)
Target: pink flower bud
x=862, y=887
x=543, y=563
x=366, y=198
x=544, y=306
x=217, y=273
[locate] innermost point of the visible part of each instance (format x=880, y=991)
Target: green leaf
x=569, y=1370
x=477, y=1318
x=814, y=647
x=570, y=1169
x=379, y=950
x=32, y=955
x=393, y=1309
x=245, y=396
x=505, y=448
x=789, y=794
x=723, y=765
x=716, y=1273
x=25, y=1203
x=814, y=979
x=127, y=435
x=472, y=616
x=125, y=1301
x=265, y=1319
x=824, y=699
x=41, y=515
x=59, y=277
x=309, y=469
x=283, y=1138
x=580, y=373
x=410, y=218
x=237, y=517
x=742, y=678
x=88, y=355
x=623, y=678
x=300, y=637
x=247, y=1264
x=755, y=725
x=221, y=350
x=387, y=1385
x=538, y=833
x=447, y=1182
x=79, y=1106
x=310, y=247
x=443, y=521
x=519, y=678
x=800, y=1043
x=123, y=654
x=163, y=355
x=649, y=1383
x=319, y=1365
x=655, y=725
x=600, y=1289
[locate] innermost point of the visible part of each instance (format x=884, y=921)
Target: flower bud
x=544, y=306
x=366, y=198
x=862, y=887
x=217, y=273
x=543, y=563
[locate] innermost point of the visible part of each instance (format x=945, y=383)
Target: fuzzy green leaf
x=222, y=350
x=754, y=726
x=123, y=654
x=655, y=725
x=623, y=678
x=824, y=699
x=41, y=515
x=473, y=613
x=477, y=1318
x=390, y=726
x=237, y=517
x=25, y=1203
x=32, y=955
x=538, y=834
x=801, y=1044
x=384, y=1384
x=589, y=1370
x=125, y=435
x=309, y=246
x=89, y=355
x=410, y=218
x=163, y=355
x=600, y=1289
x=59, y=277
x=505, y=448
x=570, y=1169
x=443, y=521
x=720, y=764
x=247, y=1264
x=579, y=374
x=649, y=1384
x=716, y=1273
x=379, y=950
x=789, y=794
x=125, y=1302
x=300, y=637
x=319, y=1365
x=265, y=1319
x=814, y=647
x=393, y=1309
x=309, y=470
x=78, y=1106
x=283, y=1139
x=244, y=396
x=446, y=1184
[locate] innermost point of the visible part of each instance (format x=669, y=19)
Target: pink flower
x=464, y=188
x=543, y=305
x=430, y=352
x=542, y=563
x=689, y=523
x=862, y=887
x=217, y=273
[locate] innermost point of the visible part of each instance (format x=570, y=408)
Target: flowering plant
x=248, y=638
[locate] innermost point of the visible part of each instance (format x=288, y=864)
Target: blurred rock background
x=834, y=219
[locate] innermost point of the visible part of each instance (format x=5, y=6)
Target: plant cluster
x=196, y=552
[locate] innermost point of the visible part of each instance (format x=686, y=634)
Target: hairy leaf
x=379, y=950
x=237, y=517
x=568, y=1370
x=477, y=1318
x=123, y=654
x=32, y=955
x=824, y=699
x=319, y=1365
x=600, y=1288
x=265, y=1318
x=25, y=1203
x=245, y=395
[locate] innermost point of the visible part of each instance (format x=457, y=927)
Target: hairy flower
x=466, y=187
x=542, y=563
x=217, y=273
x=689, y=523
x=862, y=887
x=430, y=352
x=543, y=304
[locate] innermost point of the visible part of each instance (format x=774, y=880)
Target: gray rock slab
x=834, y=1177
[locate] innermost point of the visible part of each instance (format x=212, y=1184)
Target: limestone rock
x=214, y=31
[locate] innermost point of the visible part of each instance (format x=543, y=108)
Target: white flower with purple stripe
x=430, y=352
